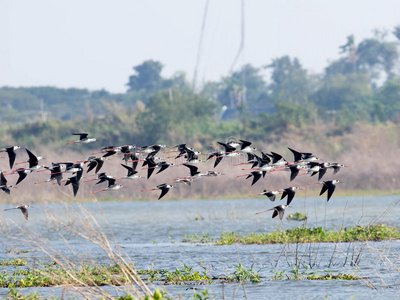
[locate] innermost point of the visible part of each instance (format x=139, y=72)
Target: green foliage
x=241, y=274
x=147, y=77
x=197, y=238
x=245, y=87
x=290, y=82
x=297, y=216
x=14, y=262
x=174, y=116
x=303, y=274
x=388, y=97
x=311, y=235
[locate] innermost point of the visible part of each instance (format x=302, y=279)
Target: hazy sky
x=95, y=43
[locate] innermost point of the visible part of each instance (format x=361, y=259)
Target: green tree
x=342, y=89
x=371, y=56
x=241, y=92
x=290, y=81
x=173, y=116
x=389, y=97
x=147, y=77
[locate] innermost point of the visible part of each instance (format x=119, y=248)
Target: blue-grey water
x=150, y=234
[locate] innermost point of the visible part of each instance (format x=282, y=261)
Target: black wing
x=321, y=173
x=11, y=156
x=3, y=180
x=100, y=164
x=6, y=190
x=244, y=144
x=75, y=184
x=33, y=161
x=22, y=175
x=79, y=174
x=218, y=159
x=276, y=157
x=193, y=169
x=331, y=189
x=91, y=166
x=135, y=161
x=111, y=181
x=57, y=175
x=150, y=171
x=294, y=171
x=130, y=170
x=110, y=153
x=103, y=179
x=81, y=135
x=228, y=149
x=336, y=169
x=290, y=193
x=164, y=191
x=256, y=177
x=281, y=212
x=271, y=196
x=297, y=155
x=324, y=188
x=164, y=166
x=24, y=212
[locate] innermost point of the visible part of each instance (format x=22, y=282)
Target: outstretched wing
x=163, y=168
x=100, y=164
x=91, y=166
x=130, y=170
x=297, y=155
x=256, y=177
x=11, y=156
x=193, y=169
x=218, y=160
x=294, y=171
x=321, y=173
x=331, y=189
x=81, y=135
x=324, y=189
x=33, y=161
x=3, y=180
x=164, y=191
x=245, y=144
x=290, y=194
x=21, y=174
x=24, y=212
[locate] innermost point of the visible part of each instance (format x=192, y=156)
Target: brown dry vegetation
x=370, y=152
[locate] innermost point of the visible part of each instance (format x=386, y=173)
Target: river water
x=150, y=234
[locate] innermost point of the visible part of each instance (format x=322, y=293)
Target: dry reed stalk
x=91, y=231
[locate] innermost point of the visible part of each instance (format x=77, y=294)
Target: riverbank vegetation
x=303, y=235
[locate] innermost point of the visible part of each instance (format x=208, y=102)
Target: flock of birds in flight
x=261, y=164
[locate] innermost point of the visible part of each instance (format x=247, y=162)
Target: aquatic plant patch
x=87, y=275
x=13, y=262
x=302, y=235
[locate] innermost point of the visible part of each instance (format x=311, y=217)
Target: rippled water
x=151, y=234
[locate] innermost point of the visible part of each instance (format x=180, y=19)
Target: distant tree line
x=363, y=85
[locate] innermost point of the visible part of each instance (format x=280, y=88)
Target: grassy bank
x=303, y=235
